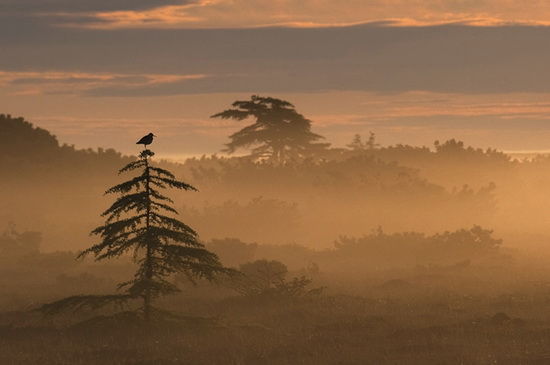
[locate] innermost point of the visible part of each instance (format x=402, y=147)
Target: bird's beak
x=154, y=135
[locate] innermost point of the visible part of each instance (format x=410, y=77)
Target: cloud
x=24, y=83
x=367, y=57
x=120, y=14
x=447, y=59
x=315, y=13
x=80, y=6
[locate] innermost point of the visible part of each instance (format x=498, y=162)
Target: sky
x=102, y=73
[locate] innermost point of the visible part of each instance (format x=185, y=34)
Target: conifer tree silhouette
x=139, y=222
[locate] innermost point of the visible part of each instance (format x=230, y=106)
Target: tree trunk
x=147, y=298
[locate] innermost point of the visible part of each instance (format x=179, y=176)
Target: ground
x=329, y=329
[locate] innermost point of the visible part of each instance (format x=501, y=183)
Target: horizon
x=181, y=157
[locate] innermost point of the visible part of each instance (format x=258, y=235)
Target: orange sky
x=104, y=72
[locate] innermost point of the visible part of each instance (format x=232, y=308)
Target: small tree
x=161, y=245
x=279, y=133
x=357, y=143
x=269, y=279
x=14, y=243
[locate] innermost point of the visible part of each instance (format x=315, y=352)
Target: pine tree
x=139, y=222
x=279, y=133
x=357, y=143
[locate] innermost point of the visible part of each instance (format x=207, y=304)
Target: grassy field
x=331, y=329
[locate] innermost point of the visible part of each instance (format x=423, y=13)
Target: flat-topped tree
x=279, y=133
x=139, y=222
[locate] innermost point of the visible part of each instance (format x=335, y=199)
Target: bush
x=269, y=278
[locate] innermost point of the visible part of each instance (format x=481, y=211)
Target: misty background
x=416, y=231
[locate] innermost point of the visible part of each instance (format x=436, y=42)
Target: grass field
x=331, y=329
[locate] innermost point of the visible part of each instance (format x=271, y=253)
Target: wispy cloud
x=82, y=6
x=80, y=83
x=140, y=63
x=313, y=13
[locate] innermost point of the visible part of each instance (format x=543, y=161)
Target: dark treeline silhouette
x=31, y=151
x=340, y=191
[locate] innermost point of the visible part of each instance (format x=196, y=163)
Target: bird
x=145, y=140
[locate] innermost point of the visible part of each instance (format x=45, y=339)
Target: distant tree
x=357, y=143
x=457, y=149
x=232, y=251
x=279, y=133
x=15, y=243
x=446, y=247
x=161, y=245
x=263, y=275
x=269, y=278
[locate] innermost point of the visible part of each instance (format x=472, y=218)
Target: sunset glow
x=386, y=61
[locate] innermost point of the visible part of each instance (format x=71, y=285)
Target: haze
x=314, y=182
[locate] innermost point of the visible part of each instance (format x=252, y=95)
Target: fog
x=370, y=253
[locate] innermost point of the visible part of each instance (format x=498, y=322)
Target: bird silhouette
x=145, y=140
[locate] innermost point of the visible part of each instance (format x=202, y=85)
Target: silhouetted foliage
x=161, y=245
x=279, y=133
x=357, y=144
x=402, y=187
x=21, y=138
x=268, y=278
x=395, y=248
x=84, y=302
x=457, y=149
x=232, y=251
